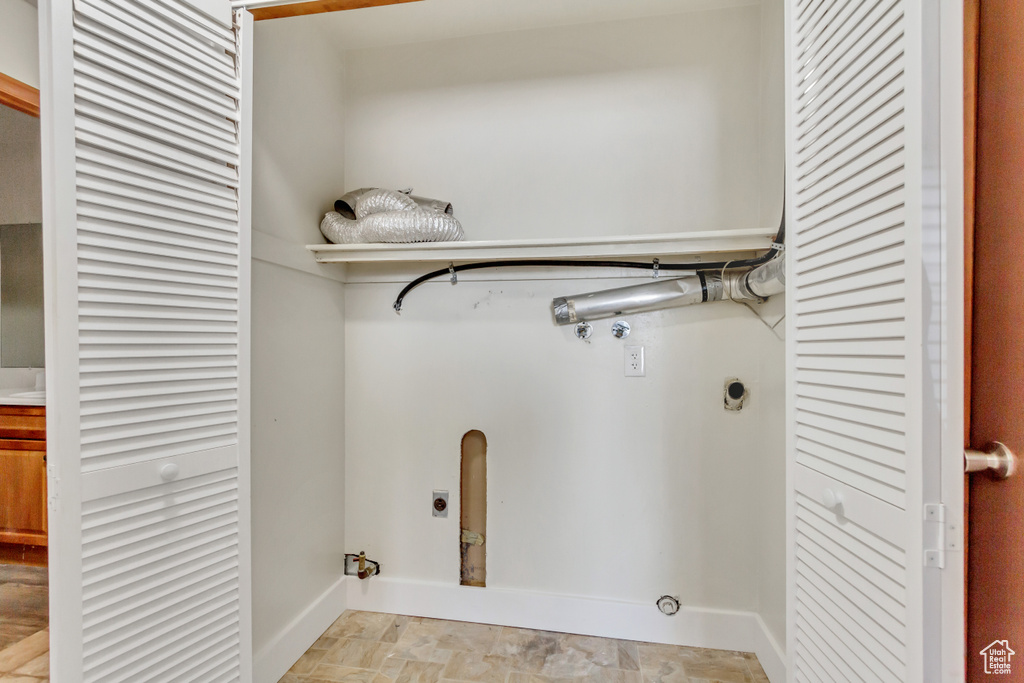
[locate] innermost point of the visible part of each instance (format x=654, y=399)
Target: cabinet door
x=146, y=266
x=855, y=355
x=23, y=497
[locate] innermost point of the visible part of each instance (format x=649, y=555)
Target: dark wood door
x=995, y=560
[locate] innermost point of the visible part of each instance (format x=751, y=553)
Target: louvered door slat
x=150, y=21
x=843, y=248
x=116, y=81
x=853, y=345
x=110, y=96
x=159, y=262
x=152, y=200
x=181, y=138
x=176, y=59
x=140, y=175
x=190, y=26
x=102, y=47
x=99, y=133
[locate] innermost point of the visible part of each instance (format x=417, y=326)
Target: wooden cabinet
x=23, y=475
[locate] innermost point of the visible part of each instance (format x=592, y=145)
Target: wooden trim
x=22, y=444
x=299, y=9
x=18, y=95
x=971, y=14
x=30, y=555
x=23, y=537
x=37, y=411
x=18, y=424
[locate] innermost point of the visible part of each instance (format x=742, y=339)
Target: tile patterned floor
x=367, y=647
x=24, y=618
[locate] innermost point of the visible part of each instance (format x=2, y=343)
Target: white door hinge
x=52, y=487
x=940, y=535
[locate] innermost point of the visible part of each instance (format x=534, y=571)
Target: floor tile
x=579, y=654
x=327, y=673
x=651, y=654
x=597, y=675
x=420, y=672
x=719, y=665
x=14, y=633
x=25, y=651
x=469, y=637
x=31, y=576
x=604, y=675
x=419, y=641
x=307, y=662
x=420, y=650
x=324, y=643
x=392, y=666
x=628, y=655
x=710, y=672
x=663, y=671
x=568, y=662
x=526, y=649
x=358, y=654
x=40, y=667
x=24, y=604
x=397, y=629
x=477, y=667
x=361, y=625
x=756, y=672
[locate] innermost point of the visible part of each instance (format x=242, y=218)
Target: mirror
x=21, y=241
x=21, y=296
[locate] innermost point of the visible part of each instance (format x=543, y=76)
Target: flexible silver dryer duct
x=348, y=205
x=758, y=283
x=377, y=215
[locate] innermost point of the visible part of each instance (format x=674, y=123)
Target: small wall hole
x=735, y=394
x=473, y=499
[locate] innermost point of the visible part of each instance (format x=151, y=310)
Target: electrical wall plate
x=439, y=503
x=634, y=362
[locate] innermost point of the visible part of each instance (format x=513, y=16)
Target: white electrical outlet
x=635, y=361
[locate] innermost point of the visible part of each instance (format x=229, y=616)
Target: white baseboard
x=692, y=626
x=274, y=659
x=769, y=653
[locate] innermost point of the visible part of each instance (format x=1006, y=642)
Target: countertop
x=22, y=396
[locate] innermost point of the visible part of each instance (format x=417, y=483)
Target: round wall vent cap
x=668, y=605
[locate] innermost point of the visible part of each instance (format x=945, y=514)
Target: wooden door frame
x=20, y=96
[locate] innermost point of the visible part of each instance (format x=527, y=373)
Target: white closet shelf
x=661, y=246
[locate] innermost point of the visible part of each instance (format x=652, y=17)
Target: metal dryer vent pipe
x=703, y=286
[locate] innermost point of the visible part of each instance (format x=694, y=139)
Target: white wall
x=19, y=41
x=598, y=485
x=21, y=175
x=298, y=470
x=772, y=478
x=298, y=477
x=629, y=127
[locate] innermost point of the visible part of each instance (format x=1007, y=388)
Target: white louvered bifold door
x=854, y=340
x=152, y=332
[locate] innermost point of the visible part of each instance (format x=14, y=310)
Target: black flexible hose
x=780, y=237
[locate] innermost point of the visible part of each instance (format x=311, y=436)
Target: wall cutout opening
x=474, y=509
